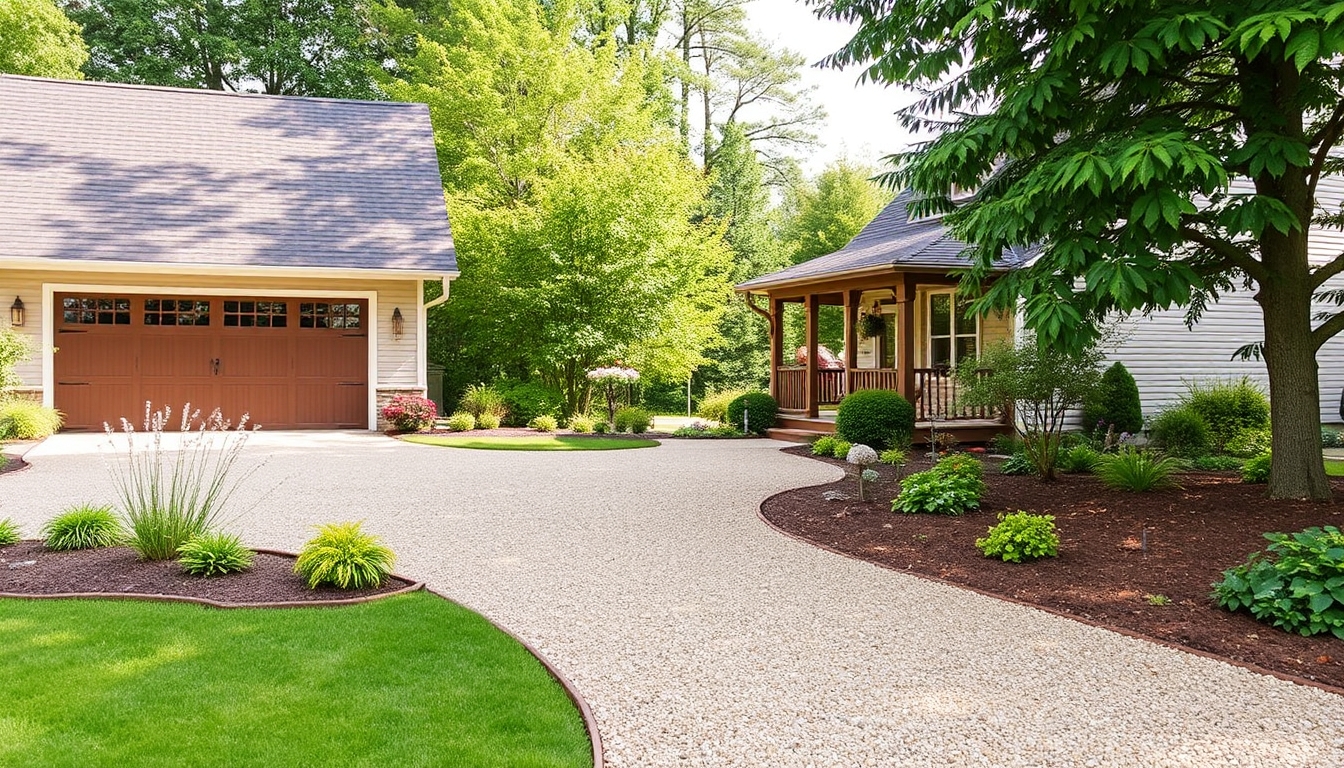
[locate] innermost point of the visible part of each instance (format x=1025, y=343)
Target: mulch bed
x=11, y=464
x=1102, y=574
x=29, y=568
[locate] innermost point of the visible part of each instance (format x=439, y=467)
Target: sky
x=859, y=124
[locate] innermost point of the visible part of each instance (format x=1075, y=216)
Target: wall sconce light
x=398, y=323
x=16, y=312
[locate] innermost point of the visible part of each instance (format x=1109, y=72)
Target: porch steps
x=793, y=435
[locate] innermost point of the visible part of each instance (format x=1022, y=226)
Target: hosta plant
x=1295, y=584
x=343, y=556
x=1017, y=464
x=9, y=532
x=952, y=487
x=1021, y=537
x=84, y=526
x=1256, y=470
x=213, y=553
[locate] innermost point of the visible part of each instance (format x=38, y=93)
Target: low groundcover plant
x=84, y=526
x=1021, y=537
x=214, y=553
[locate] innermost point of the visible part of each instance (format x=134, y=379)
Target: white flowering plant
x=610, y=380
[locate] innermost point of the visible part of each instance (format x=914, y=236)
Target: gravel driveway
x=701, y=637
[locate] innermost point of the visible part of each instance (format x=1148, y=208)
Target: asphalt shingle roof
x=102, y=172
x=890, y=239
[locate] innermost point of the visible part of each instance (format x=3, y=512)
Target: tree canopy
x=37, y=39
x=1158, y=153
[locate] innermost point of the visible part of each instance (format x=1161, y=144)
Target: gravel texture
x=701, y=637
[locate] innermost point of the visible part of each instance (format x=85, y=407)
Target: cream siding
x=398, y=360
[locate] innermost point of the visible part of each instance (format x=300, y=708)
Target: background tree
x=1112, y=134
x=37, y=39
x=287, y=47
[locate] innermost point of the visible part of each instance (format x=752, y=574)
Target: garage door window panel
x=240, y=313
x=177, y=312
x=320, y=314
x=95, y=310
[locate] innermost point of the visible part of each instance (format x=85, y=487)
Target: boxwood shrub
x=1182, y=432
x=877, y=418
x=760, y=409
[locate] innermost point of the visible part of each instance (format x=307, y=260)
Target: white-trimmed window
x=954, y=331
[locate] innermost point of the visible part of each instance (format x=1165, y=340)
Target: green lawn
x=535, y=443
x=412, y=680
x=1334, y=468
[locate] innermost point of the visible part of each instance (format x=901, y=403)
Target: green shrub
x=1114, y=404
x=1296, y=584
x=461, y=422
x=714, y=406
x=487, y=420
x=9, y=532
x=1018, y=464
x=877, y=418
x=1137, y=471
x=635, y=420
x=1228, y=406
x=581, y=424
x=482, y=399
x=526, y=400
x=410, y=413
x=1021, y=536
x=343, y=556
x=15, y=348
x=1216, y=463
x=841, y=449
x=824, y=445
x=1181, y=432
x=701, y=429
x=213, y=553
x=24, y=419
x=952, y=487
x=1005, y=445
x=84, y=526
x=1080, y=459
x=1330, y=438
x=759, y=408
x=1250, y=441
x=544, y=424
x=600, y=427
x=893, y=456
x=1256, y=469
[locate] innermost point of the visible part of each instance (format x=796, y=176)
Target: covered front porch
x=906, y=332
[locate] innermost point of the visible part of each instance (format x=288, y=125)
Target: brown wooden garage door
x=291, y=363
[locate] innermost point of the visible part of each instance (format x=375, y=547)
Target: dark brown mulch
x=29, y=568
x=11, y=464
x=1102, y=574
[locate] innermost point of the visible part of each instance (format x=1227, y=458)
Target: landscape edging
x=1285, y=676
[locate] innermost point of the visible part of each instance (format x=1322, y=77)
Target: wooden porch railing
x=939, y=397
x=937, y=391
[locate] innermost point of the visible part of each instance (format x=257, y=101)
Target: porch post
x=776, y=344
x=851, y=333
x=813, y=384
x=905, y=336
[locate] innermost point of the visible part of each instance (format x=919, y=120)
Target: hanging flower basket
x=871, y=325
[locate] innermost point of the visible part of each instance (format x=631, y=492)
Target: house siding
x=398, y=359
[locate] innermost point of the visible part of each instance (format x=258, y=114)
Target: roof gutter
x=447, y=280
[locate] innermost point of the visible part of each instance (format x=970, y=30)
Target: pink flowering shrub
x=410, y=413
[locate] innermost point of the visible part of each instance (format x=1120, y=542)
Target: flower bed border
x=1285, y=676
x=571, y=692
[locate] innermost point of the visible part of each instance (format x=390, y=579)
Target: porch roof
x=893, y=240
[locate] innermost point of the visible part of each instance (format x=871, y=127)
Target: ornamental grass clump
x=1021, y=537
x=9, y=532
x=214, y=553
x=1137, y=471
x=171, y=489
x=487, y=420
x=952, y=487
x=482, y=399
x=544, y=424
x=343, y=556
x=581, y=424
x=84, y=526
x=1295, y=584
x=24, y=419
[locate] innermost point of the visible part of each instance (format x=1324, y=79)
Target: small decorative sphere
x=861, y=455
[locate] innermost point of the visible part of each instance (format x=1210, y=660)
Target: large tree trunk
x=1297, y=471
